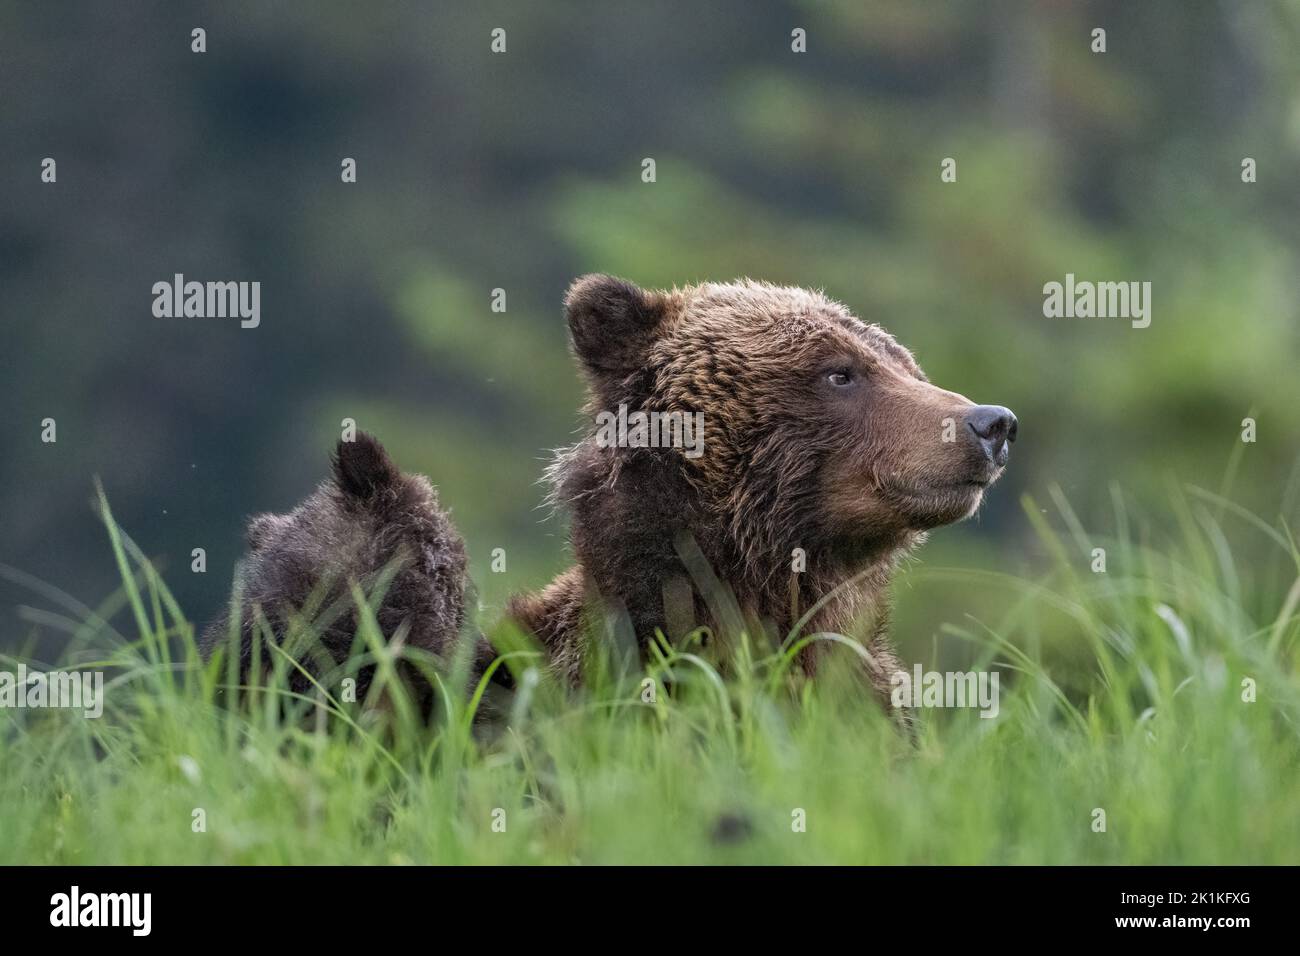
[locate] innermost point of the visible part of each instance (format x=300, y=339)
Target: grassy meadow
x=1125, y=691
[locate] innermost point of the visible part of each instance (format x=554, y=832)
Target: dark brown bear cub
x=367, y=522
x=826, y=455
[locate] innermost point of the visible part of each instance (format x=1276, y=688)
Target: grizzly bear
x=370, y=526
x=826, y=455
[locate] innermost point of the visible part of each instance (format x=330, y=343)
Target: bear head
x=371, y=526
x=820, y=431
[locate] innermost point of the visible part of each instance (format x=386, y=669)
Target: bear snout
x=992, y=428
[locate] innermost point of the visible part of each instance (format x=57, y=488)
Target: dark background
x=522, y=170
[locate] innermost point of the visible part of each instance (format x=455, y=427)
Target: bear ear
x=612, y=321
x=362, y=469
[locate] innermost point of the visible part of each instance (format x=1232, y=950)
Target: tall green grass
x=1121, y=691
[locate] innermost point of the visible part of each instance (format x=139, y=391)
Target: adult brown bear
x=826, y=455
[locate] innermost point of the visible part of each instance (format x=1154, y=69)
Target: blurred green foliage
x=520, y=171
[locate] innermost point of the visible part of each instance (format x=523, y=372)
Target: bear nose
x=994, y=428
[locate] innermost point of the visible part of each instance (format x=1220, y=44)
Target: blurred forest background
x=522, y=170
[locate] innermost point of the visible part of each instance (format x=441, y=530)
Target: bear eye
x=840, y=377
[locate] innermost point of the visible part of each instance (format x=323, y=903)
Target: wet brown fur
x=366, y=523
x=783, y=467
x=851, y=478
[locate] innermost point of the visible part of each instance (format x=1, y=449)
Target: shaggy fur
x=827, y=455
x=853, y=476
x=368, y=519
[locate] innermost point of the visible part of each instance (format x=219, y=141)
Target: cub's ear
x=612, y=322
x=362, y=469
